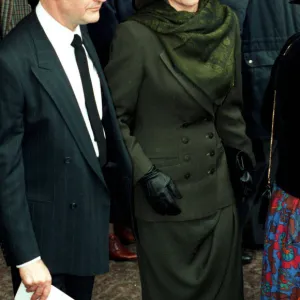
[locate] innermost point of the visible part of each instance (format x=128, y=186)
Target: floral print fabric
x=281, y=259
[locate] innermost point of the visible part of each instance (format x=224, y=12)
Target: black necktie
x=90, y=102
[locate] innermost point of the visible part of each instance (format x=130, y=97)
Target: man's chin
x=92, y=17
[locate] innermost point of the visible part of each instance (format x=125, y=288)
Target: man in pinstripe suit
x=57, y=176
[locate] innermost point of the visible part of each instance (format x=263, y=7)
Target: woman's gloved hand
x=244, y=166
x=240, y=169
x=161, y=192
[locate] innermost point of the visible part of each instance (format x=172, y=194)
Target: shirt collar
x=58, y=34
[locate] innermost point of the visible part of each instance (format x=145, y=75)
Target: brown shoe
x=125, y=234
x=117, y=251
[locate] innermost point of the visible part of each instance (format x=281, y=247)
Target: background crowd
x=147, y=50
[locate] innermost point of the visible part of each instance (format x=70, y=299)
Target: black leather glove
x=161, y=192
x=240, y=168
x=244, y=167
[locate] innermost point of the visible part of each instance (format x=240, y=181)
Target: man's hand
x=36, y=278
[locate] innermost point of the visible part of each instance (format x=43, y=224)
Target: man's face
x=79, y=12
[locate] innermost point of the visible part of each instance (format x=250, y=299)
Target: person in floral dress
x=281, y=257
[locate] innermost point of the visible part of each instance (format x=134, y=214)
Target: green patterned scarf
x=201, y=45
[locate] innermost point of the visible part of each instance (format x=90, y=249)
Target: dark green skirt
x=191, y=260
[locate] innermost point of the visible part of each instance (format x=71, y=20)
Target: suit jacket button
x=73, y=206
x=187, y=158
x=187, y=175
x=185, y=125
x=67, y=160
x=210, y=135
x=185, y=140
x=211, y=153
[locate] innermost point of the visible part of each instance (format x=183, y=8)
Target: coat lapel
x=52, y=77
x=195, y=92
x=94, y=57
x=92, y=53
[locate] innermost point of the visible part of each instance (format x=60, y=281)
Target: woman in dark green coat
x=174, y=74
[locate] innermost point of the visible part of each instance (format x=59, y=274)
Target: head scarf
x=201, y=45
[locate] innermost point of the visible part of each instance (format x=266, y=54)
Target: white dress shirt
x=61, y=39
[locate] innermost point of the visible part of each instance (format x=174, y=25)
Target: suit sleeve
x=230, y=123
x=14, y=210
x=124, y=74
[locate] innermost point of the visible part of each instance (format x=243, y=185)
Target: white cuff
x=29, y=262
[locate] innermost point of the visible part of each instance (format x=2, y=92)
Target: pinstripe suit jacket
x=54, y=196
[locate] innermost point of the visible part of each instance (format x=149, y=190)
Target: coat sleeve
x=230, y=123
x=124, y=73
x=14, y=211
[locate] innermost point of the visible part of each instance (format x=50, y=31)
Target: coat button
x=187, y=175
x=187, y=157
x=211, y=153
x=210, y=135
x=73, y=206
x=207, y=119
x=211, y=171
x=185, y=125
x=67, y=160
x=185, y=140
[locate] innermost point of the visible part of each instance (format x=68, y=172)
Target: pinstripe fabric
x=11, y=13
x=54, y=196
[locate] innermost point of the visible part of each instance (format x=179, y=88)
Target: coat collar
x=189, y=87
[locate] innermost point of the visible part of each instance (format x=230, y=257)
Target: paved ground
x=122, y=283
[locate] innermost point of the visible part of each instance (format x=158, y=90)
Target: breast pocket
x=256, y=71
x=259, y=59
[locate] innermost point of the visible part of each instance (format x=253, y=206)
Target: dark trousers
x=77, y=287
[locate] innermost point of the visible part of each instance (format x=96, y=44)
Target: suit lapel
x=52, y=77
x=92, y=52
x=193, y=91
x=110, y=122
x=94, y=57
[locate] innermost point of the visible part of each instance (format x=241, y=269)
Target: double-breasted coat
x=167, y=121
